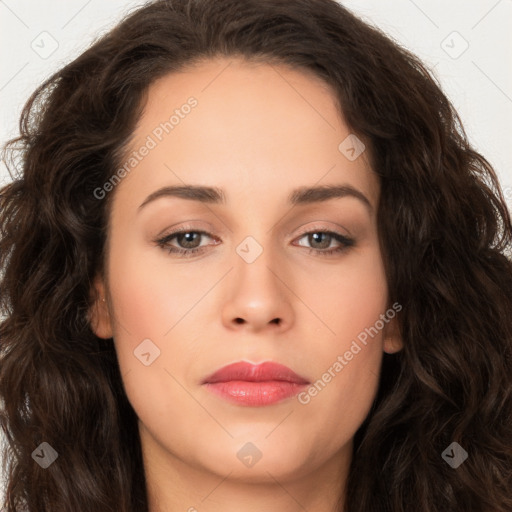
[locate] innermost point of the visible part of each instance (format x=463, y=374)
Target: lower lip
x=255, y=394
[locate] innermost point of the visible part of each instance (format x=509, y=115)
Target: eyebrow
x=299, y=196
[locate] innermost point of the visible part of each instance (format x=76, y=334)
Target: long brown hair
x=445, y=234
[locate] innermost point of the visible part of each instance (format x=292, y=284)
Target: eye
x=189, y=239
x=189, y=242
x=321, y=241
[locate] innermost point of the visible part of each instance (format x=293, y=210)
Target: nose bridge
x=256, y=258
x=261, y=242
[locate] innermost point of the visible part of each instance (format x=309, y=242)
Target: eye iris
x=315, y=236
x=188, y=237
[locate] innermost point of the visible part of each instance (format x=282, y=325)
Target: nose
x=259, y=297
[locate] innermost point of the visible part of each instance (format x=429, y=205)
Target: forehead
x=238, y=125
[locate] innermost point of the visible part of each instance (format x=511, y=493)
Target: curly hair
x=444, y=230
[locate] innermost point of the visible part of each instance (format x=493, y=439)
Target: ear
x=99, y=313
x=392, y=338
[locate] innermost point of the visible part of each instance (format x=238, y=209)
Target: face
x=263, y=271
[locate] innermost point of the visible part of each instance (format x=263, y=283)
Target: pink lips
x=255, y=385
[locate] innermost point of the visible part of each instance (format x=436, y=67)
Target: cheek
x=158, y=311
x=151, y=295
x=347, y=299
x=348, y=346
x=151, y=301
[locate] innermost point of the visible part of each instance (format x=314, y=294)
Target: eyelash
x=163, y=243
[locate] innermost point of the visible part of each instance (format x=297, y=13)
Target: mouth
x=255, y=385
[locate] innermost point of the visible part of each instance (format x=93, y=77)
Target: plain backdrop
x=466, y=43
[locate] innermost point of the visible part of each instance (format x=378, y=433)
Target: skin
x=258, y=132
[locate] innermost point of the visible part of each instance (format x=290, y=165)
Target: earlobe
x=392, y=345
x=99, y=313
x=392, y=342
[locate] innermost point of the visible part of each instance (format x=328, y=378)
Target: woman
x=175, y=339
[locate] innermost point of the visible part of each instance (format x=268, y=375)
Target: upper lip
x=244, y=371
